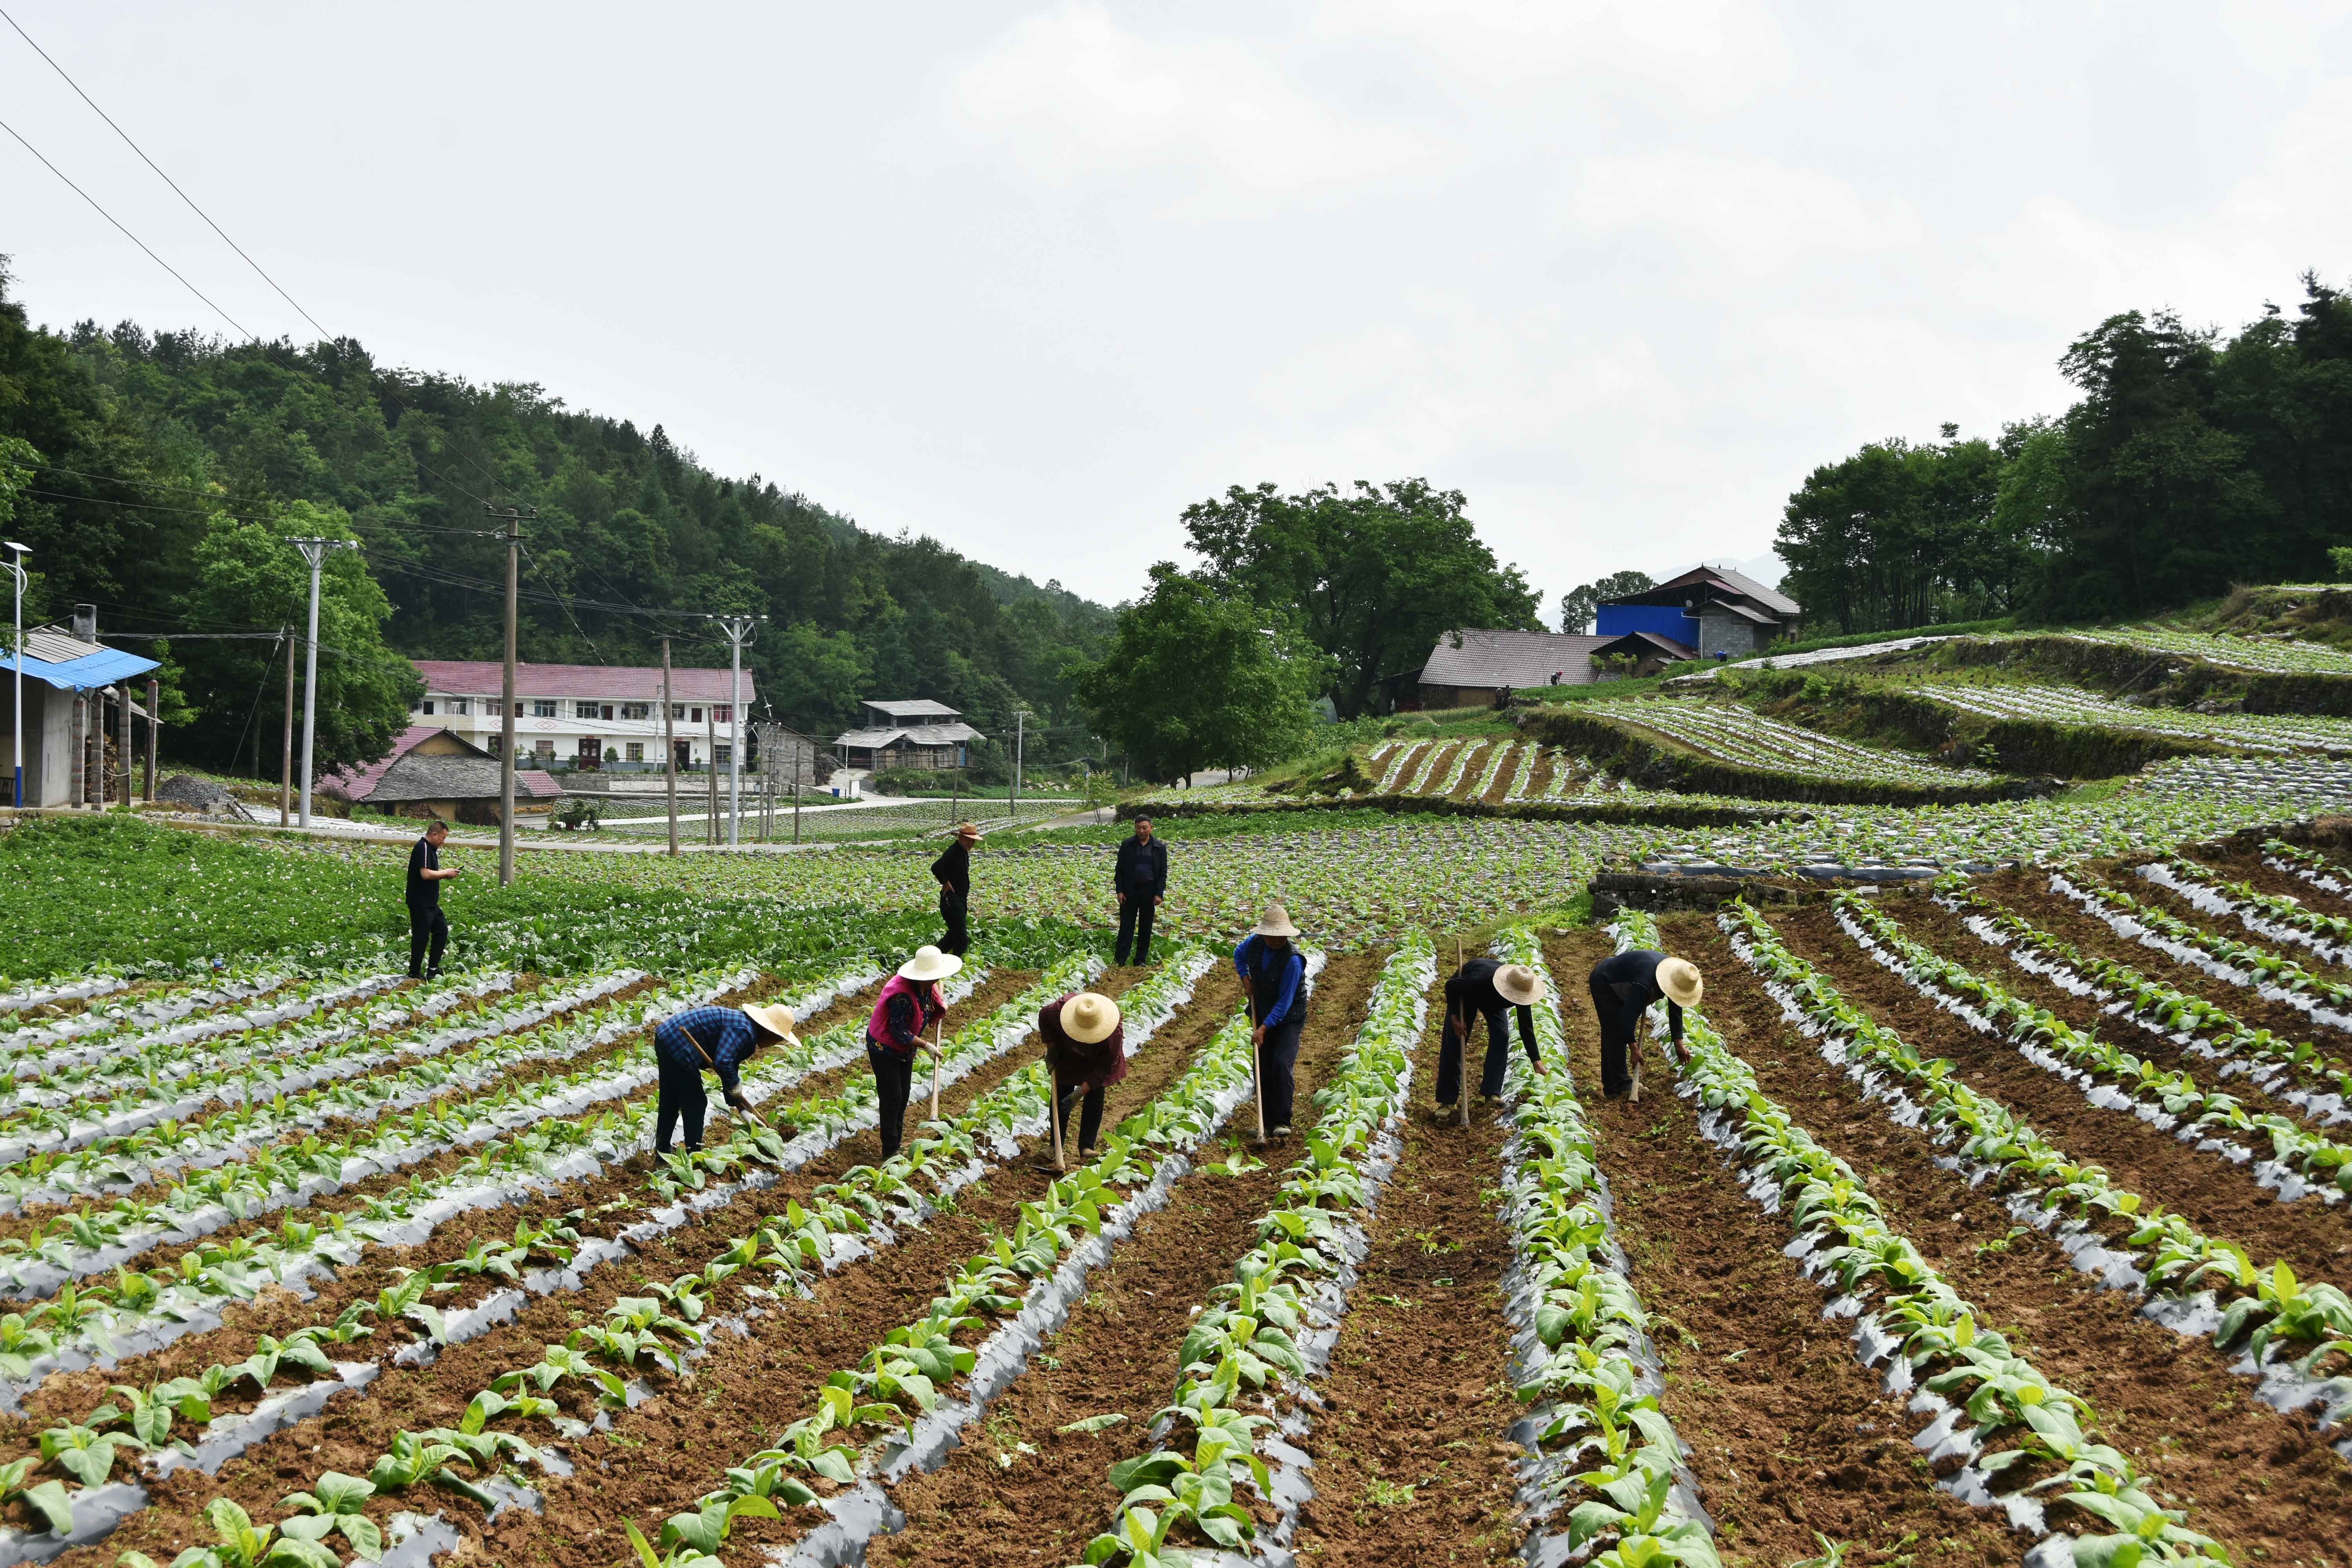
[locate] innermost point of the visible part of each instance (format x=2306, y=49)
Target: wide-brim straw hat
x=775, y=1018
x=930, y=963
x=1518, y=984
x=1275, y=922
x=1089, y=1017
x=969, y=830
x=1678, y=978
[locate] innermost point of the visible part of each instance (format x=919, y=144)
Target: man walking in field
x=1625, y=988
x=1140, y=877
x=953, y=871
x=428, y=928
x=1483, y=988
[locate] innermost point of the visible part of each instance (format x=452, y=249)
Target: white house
x=587, y=715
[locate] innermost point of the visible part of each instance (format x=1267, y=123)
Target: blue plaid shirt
x=727, y=1035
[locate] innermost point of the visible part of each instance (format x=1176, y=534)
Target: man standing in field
x=1483, y=988
x=953, y=871
x=1623, y=988
x=1140, y=877
x=428, y=928
x=1274, y=975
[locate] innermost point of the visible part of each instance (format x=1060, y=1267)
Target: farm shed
x=1648, y=652
x=69, y=681
x=1711, y=609
x=913, y=732
x=433, y=772
x=1469, y=667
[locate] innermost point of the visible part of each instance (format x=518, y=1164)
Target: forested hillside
x=2191, y=462
x=160, y=474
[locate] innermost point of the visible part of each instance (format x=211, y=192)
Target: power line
x=117, y=222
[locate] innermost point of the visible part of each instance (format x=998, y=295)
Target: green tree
x=1578, y=605
x=1195, y=678
x=1376, y=573
x=247, y=573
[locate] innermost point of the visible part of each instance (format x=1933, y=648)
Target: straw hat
x=969, y=830
x=1518, y=984
x=1089, y=1018
x=930, y=963
x=1678, y=978
x=1275, y=922
x=776, y=1019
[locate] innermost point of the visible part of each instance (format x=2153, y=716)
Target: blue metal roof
x=106, y=667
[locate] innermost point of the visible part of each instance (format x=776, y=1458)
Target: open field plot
x=2050, y=703
x=1743, y=738
x=2271, y=655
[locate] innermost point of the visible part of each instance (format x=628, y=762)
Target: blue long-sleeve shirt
x=727, y=1037
x=1276, y=978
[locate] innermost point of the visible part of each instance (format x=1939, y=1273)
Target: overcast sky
x=1030, y=280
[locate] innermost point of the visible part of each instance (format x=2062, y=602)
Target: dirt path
x=2256, y=1477
x=1413, y=1464
x=1117, y=1352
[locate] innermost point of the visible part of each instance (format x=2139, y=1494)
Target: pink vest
x=878, y=1022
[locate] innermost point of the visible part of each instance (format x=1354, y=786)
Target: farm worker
x=716, y=1040
x=953, y=869
x=1140, y=877
x=909, y=1007
x=1085, y=1047
x=427, y=926
x=1273, y=975
x=1623, y=988
x=1482, y=988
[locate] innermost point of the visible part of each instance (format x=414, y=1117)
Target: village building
x=1708, y=612
x=911, y=732
x=78, y=697
x=435, y=771
x=587, y=716
x=1480, y=668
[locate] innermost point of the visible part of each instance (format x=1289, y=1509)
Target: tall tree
x=1378, y=572
x=1196, y=678
x=1579, y=606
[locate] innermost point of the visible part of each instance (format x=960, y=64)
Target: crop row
x=2072, y=705
x=1745, y=738
x=2270, y=975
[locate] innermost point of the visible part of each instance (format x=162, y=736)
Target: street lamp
x=17, y=571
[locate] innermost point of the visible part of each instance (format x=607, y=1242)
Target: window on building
x=637, y=709
x=724, y=713
x=544, y=709
x=427, y=708
x=544, y=746
x=461, y=705
x=605, y=712
x=725, y=754
x=636, y=750
x=697, y=716
x=583, y=710
x=678, y=711
x=493, y=744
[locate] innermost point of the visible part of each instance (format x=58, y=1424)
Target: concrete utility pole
x=286, y=763
x=315, y=551
x=1020, y=735
x=740, y=629
x=154, y=717
x=514, y=519
x=122, y=753
x=17, y=571
x=669, y=747
x=711, y=743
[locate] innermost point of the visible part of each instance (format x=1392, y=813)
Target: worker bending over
x=1085, y=1047
x=1483, y=988
x=1273, y=976
x=712, y=1039
x=1623, y=988
x=909, y=1007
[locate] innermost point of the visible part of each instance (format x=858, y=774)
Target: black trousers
x=681, y=1095
x=1277, y=1059
x=1490, y=1076
x=1135, y=926
x=1069, y=1098
x=1618, y=1021
x=952, y=910
x=427, y=927
x=894, y=1079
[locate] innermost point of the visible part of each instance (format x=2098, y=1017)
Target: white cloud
x=1704, y=55
x=1075, y=95
x=1760, y=217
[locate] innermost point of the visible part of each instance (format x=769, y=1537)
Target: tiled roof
x=1510, y=659
x=379, y=783
x=913, y=734
x=568, y=682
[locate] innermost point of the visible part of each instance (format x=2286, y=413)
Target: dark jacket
x=1632, y=980
x=423, y=892
x=1278, y=982
x=953, y=868
x=1142, y=870
x=1470, y=993
x=1097, y=1065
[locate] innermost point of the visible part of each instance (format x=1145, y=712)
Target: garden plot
x=1744, y=738
x=2268, y=654
x=2055, y=704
